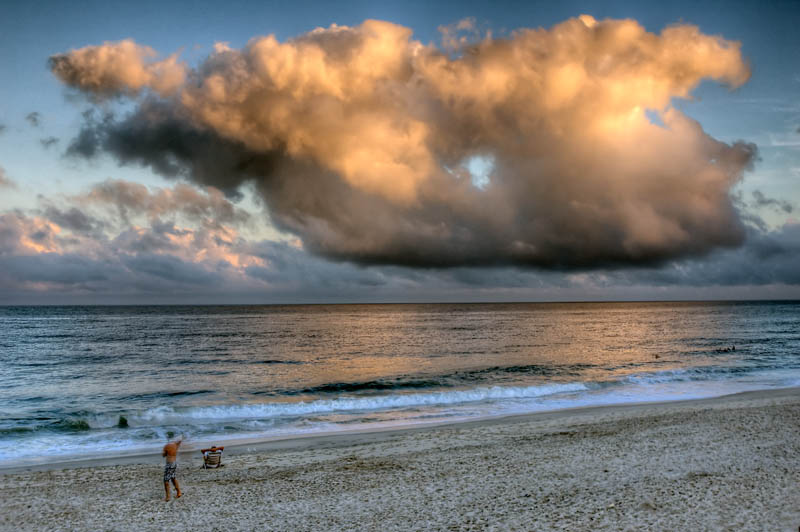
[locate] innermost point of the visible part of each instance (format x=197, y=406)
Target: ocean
x=87, y=382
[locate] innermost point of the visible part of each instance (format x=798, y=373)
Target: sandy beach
x=728, y=463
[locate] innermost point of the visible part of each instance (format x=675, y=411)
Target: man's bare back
x=171, y=450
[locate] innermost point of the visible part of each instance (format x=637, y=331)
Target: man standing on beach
x=170, y=467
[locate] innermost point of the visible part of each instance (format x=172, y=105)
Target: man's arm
x=214, y=448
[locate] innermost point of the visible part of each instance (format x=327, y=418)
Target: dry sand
x=730, y=463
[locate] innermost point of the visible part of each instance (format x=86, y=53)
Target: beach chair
x=212, y=458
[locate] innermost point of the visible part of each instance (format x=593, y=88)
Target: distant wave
x=549, y=370
x=233, y=360
x=163, y=395
x=70, y=425
x=445, y=380
x=701, y=373
x=375, y=385
x=67, y=425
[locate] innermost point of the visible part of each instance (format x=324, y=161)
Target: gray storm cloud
x=5, y=181
x=48, y=142
x=34, y=118
x=532, y=150
x=131, y=199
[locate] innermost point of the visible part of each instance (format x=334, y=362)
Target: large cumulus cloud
x=364, y=142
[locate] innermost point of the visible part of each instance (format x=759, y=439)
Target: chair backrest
x=212, y=458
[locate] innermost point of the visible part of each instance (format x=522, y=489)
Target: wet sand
x=730, y=463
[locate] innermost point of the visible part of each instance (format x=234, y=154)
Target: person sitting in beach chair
x=212, y=457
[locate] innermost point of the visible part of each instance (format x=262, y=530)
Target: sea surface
x=72, y=378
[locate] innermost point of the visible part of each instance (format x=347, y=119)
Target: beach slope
x=730, y=463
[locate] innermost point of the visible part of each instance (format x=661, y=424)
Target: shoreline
x=345, y=438
x=722, y=463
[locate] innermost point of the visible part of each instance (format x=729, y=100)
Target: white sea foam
x=707, y=374
x=165, y=415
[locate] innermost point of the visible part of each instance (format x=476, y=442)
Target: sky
x=319, y=152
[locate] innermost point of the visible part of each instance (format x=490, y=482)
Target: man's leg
x=166, y=489
x=177, y=487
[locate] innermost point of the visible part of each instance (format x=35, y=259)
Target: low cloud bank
x=120, y=242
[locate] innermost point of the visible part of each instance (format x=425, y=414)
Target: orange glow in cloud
x=40, y=237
